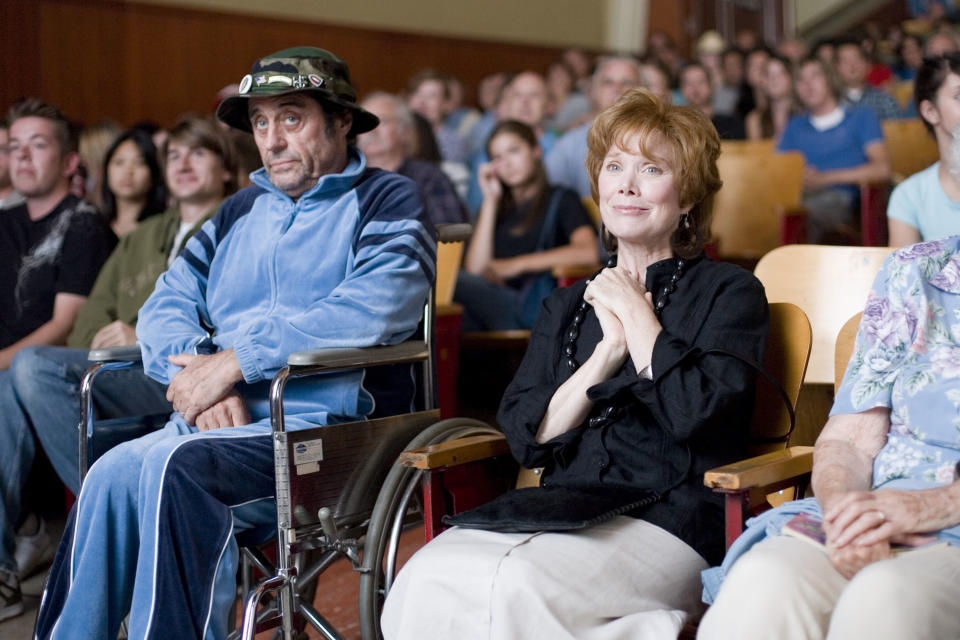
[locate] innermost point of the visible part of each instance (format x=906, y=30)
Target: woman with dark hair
x=926, y=206
x=769, y=119
x=524, y=228
x=632, y=386
x=133, y=187
x=910, y=54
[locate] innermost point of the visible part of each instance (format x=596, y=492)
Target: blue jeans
x=488, y=306
x=152, y=533
x=39, y=398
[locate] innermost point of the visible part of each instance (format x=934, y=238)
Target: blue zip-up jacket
x=349, y=264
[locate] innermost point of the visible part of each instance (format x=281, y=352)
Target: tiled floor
x=336, y=599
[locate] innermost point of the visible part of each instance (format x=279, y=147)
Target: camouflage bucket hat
x=294, y=70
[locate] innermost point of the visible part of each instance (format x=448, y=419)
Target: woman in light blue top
x=926, y=206
x=884, y=475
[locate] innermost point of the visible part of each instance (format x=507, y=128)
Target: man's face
x=429, y=100
x=298, y=143
x=939, y=44
x=733, y=68
x=390, y=135
x=813, y=88
x=851, y=66
x=613, y=78
x=4, y=158
x=526, y=99
x=194, y=174
x=695, y=87
x=37, y=164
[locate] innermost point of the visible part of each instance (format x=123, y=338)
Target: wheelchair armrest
x=458, y=232
x=129, y=353
x=339, y=359
x=455, y=452
x=760, y=471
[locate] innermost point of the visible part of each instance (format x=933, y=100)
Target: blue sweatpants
x=152, y=533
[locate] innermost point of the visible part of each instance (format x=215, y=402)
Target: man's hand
x=231, y=411
x=204, y=381
x=115, y=334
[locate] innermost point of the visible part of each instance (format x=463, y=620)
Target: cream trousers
x=787, y=589
x=624, y=579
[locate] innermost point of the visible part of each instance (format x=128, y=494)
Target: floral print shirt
x=907, y=358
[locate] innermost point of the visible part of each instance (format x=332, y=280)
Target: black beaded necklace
x=570, y=342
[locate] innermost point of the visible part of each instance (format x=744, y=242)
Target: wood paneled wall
x=128, y=62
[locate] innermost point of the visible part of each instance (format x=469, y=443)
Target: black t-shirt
x=59, y=253
x=511, y=240
x=729, y=127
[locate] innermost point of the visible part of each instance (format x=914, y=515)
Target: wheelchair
x=339, y=490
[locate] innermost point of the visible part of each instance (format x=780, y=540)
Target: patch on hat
x=246, y=83
x=315, y=80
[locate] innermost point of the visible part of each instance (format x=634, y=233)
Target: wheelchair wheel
x=397, y=504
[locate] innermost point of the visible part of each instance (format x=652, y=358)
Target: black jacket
x=694, y=415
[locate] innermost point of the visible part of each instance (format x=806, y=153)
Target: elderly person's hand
x=850, y=559
x=230, y=411
x=870, y=517
x=203, y=381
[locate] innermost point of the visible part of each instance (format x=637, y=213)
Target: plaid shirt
x=882, y=103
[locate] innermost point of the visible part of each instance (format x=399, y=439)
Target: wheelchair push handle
x=458, y=232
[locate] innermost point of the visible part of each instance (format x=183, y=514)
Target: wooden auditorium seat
x=759, y=206
x=830, y=283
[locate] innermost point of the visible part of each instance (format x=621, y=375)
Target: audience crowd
x=90, y=218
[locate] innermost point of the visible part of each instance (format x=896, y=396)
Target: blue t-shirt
x=921, y=202
x=840, y=147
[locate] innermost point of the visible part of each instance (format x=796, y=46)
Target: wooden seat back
x=910, y=147
x=844, y=348
x=830, y=283
x=786, y=358
x=759, y=186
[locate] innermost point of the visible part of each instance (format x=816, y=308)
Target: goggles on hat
x=274, y=79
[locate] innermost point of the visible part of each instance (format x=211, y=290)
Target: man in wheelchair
x=319, y=252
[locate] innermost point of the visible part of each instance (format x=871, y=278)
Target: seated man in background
x=697, y=90
x=525, y=99
x=53, y=244
x=320, y=252
x=843, y=147
x=40, y=398
x=429, y=95
x=566, y=162
x=9, y=197
x=853, y=67
x=389, y=146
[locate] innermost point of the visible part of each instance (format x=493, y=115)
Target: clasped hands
x=204, y=393
x=617, y=295
x=862, y=525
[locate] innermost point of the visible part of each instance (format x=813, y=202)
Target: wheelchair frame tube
x=85, y=428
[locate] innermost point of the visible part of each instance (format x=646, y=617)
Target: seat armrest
x=129, y=353
x=339, y=359
x=567, y=275
x=455, y=452
x=761, y=471
x=458, y=232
